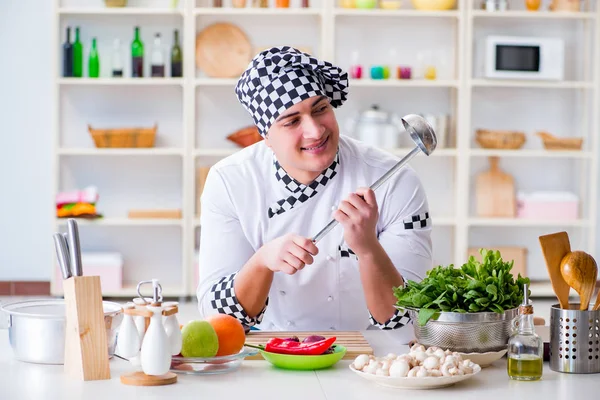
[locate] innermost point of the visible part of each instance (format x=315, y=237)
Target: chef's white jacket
x=326, y=295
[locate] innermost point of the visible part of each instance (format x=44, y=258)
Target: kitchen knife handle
x=74, y=247
x=62, y=255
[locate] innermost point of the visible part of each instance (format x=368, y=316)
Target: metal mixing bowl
x=36, y=329
x=477, y=332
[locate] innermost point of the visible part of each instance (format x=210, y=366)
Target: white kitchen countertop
x=260, y=380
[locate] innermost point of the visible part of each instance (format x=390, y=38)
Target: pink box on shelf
x=548, y=205
x=108, y=266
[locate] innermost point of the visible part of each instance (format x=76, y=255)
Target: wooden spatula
x=555, y=247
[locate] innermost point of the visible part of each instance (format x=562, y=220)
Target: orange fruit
x=230, y=332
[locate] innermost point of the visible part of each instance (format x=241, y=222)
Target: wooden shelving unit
x=195, y=114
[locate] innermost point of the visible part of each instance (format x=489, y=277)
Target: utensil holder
x=86, y=357
x=574, y=340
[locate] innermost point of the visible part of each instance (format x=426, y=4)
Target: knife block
x=86, y=344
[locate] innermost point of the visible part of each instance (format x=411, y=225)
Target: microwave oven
x=512, y=57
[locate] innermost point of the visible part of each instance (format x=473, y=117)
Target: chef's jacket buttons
x=329, y=258
x=333, y=207
x=282, y=292
x=290, y=323
x=330, y=298
x=332, y=328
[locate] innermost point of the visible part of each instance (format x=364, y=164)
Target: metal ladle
x=424, y=137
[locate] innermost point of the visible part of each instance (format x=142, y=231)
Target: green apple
x=366, y=3
x=199, y=339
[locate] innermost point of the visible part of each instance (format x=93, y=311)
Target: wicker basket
x=115, y=3
x=123, y=137
x=552, y=142
x=246, y=136
x=500, y=139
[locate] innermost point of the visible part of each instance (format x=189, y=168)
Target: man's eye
x=321, y=109
x=293, y=122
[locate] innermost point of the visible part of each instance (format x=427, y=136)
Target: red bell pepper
x=285, y=346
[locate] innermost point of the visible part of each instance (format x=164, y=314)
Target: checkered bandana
x=300, y=191
x=280, y=77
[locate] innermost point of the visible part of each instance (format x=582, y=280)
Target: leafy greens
x=474, y=287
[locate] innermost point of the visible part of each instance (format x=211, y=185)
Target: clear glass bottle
x=157, y=58
x=116, y=59
x=525, y=348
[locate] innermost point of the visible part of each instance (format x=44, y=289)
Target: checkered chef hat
x=280, y=77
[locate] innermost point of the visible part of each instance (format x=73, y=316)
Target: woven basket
x=115, y=3
x=500, y=139
x=551, y=142
x=245, y=136
x=123, y=137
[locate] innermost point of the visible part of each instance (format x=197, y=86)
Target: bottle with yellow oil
x=525, y=348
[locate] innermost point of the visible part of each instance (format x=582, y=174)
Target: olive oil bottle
x=525, y=348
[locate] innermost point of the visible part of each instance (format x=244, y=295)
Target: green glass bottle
x=77, y=55
x=137, y=55
x=94, y=61
x=176, y=57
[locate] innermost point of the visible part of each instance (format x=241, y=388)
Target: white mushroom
x=361, y=361
x=456, y=371
x=382, y=372
x=408, y=359
x=422, y=373
x=445, y=369
x=413, y=372
x=417, y=347
x=435, y=373
x=391, y=356
x=399, y=369
x=420, y=356
x=452, y=360
x=439, y=353
x=431, y=362
x=371, y=369
x=385, y=365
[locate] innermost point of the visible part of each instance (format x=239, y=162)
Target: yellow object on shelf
x=434, y=5
x=430, y=73
x=115, y=3
x=347, y=4
x=390, y=4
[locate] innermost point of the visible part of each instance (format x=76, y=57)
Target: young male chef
x=262, y=205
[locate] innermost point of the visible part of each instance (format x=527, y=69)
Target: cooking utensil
x=495, y=192
x=74, y=248
x=424, y=137
x=579, y=270
x=36, y=329
x=554, y=247
x=465, y=332
x=223, y=50
x=62, y=253
x=597, y=303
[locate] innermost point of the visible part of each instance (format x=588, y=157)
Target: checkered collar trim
x=300, y=191
x=280, y=77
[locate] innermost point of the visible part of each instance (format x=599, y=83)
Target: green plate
x=304, y=363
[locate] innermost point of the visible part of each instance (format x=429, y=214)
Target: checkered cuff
x=418, y=221
x=222, y=299
x=347, y=252
x=398, y=320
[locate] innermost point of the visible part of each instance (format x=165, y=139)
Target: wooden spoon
x=579, y=270
x=597, y=303
x=555, y=247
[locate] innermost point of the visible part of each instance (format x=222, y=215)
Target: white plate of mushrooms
x=419, y=369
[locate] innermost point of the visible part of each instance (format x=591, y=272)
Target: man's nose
x=312, y=129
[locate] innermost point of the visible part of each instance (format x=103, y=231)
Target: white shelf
x=531, y=84
x=120, y=81
x=543, y=289
x=215, y=152
x=138, y=11
x=403, y=83
x=533, y=14
x=121, y=152
x=125, y=222
x=257, y=11
x=216, y=82
x=531, y=153
x=342, y=12
x=522, y=222
x=131, y=291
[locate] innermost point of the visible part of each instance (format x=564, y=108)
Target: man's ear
x=267, y=141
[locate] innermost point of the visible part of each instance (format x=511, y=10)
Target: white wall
x=26, y=106
x=26, y=139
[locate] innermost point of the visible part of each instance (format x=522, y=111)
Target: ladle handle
x=373, y=187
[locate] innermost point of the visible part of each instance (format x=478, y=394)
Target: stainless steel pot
x=36, y=329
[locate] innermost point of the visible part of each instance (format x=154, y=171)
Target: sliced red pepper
x=286, y=346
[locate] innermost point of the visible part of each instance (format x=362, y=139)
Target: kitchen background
x=409, y=61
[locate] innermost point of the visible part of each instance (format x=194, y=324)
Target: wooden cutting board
x=495, y=192
x=354, y=341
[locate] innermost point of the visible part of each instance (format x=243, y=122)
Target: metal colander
x=465, y=332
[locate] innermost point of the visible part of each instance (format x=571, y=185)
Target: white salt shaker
x=172, y=329
x=128, y=342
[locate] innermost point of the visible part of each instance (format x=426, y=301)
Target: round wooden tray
x=223, y=50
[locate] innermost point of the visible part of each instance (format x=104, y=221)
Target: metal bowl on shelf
x=477, y=332
x=36, y=329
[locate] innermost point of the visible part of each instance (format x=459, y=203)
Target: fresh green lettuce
x=474, y=287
